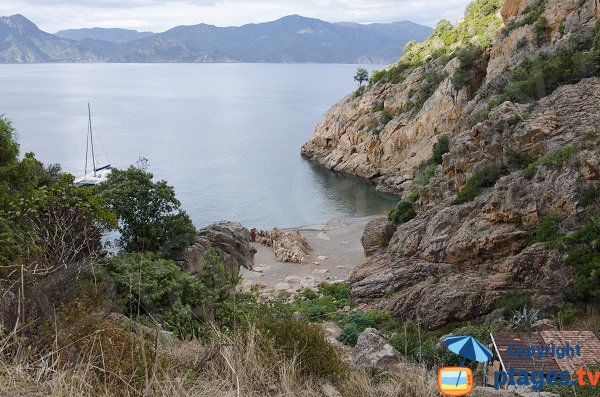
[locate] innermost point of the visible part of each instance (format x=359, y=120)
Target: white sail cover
x=93, y=178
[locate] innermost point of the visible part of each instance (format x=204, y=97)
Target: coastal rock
x=230, y=240
x=288, y=246
x=377, y=235
x=373, y=350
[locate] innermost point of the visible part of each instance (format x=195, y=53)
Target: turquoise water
x=227, y=137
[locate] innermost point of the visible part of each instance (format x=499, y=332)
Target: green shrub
x=404, y=210
x=148, y=285
x=590, y=196
x=583, y=254
x=519, y=160
x=430, y=84
x=553, y=159
x=537, y=78
x=441, y=147
x=425, y=173
x=546, y=231
x=340, y=292
x=296, y=338
x=359, y=92
x=541, y=30
x=331, y=297
x=514, y=300
x=485, y=177
x=467, y=56
x=354, y=324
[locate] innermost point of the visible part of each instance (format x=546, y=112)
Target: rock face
x=372, y=350
x=377, y=235
x=456, y=261
x=229, y=239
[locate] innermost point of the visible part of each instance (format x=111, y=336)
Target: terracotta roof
x=522, y=339
x=590, y=348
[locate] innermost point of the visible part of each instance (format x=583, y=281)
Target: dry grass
x=242, y=365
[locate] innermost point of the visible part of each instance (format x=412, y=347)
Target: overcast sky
x=160, y=15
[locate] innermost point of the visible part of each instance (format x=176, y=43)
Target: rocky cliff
x=519, y=101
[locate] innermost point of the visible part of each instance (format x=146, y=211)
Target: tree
x=150, y=218
x=361, y=76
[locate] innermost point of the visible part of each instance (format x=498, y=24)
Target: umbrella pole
x=485, y=374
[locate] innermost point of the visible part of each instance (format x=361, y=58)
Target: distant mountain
x=110, y=35
x=292, y=39
x=21, y=41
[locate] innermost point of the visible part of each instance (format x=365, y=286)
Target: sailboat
x=98, y=174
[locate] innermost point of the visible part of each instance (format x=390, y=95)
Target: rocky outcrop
x=288, y=246
x=377, y=235
x=230, y=240
x=373, y=350
x=456, y=260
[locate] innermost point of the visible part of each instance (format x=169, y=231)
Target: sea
x=227, y=137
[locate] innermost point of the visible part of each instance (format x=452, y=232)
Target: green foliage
x=519, y=160
x=45, y=221
x=485, y=177
x=467, y=56
x=441, y=147
x=514, y=300
x=361, y=76
x=590, y=196
x=404, y=210
x=149, y=215
x=9, y=148
x=555, y=158
x=531, y=15
x=296, y=338
x=475, y=30
x=583, y=254
x=182, y=302
x=541, y=30
x=545, y=231
x=359, y=92
x=318, y=306
x=354, y=324
x=537, y=78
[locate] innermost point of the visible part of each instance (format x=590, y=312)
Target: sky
x=160, y=15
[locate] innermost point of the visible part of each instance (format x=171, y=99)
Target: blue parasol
x=469, y=348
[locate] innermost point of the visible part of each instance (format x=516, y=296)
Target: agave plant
x=525, y=318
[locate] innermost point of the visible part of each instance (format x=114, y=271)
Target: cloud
x=159, y=15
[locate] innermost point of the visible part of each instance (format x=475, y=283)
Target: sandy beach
x=336, y=251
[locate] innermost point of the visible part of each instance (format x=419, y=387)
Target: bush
x=441, y=147
x=485, y=177
x=514, y=300
x=541, y=30
x=590, y=196
x=354, y=324
x=404, y=211
x=430, y=84
x=467, y=56
x=317, y=307
x=182, y=302
x=553, y=159
x=546, y=231
x=583, y=254
x=519, y=160
x=294, y=338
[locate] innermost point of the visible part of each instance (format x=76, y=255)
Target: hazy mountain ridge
x=111, y=35
x=287, y=40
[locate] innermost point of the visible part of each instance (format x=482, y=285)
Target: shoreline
x=336, y=251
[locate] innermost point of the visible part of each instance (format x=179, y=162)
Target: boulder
x=377, y=235
x=230, y=240
x=373, y=350
x=290, y=246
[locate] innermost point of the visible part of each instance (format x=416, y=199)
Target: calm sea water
x=227, y=137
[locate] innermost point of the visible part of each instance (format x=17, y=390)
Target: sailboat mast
x=91, y=139
x=87, y=142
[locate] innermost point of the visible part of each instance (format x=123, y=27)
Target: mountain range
x=291, y=39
